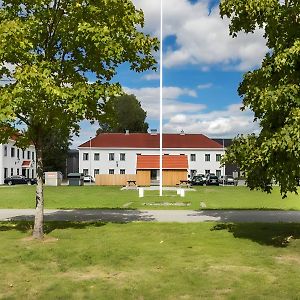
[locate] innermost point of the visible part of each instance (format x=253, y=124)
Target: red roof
x=147, y=140
x=170, y=162
x=26, y=163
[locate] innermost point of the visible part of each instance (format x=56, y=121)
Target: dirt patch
x=233, y=269
x=45, y=240
x=98, y=273
x=288, y=259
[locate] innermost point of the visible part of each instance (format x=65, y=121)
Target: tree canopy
x=123, y=113
x=48, y=49
x=272, y=92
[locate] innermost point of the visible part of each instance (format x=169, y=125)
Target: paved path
x=181, y=216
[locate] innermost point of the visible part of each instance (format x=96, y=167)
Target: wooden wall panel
x=113, y=179
x=173, y=177
x=143, y=177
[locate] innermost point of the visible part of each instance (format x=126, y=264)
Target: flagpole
x=160, y=99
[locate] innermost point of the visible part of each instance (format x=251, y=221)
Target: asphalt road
x=181, y=216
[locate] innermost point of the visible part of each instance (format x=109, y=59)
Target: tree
x=121, y=113
x=56, y=151
x=48, y=48
x=271, y=92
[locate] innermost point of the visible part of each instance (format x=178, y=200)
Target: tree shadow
x=27, y=226
x=90, y=215
x=270, y=234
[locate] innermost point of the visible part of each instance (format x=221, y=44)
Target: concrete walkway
x=181, y=216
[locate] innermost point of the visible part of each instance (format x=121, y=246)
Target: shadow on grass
x=26, y=226
x=90, y=215
x=276, y=235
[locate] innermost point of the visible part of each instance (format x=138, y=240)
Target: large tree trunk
x=38, y=230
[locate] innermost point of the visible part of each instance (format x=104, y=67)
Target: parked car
x=88, y=178
x=212, y=180
x=18, y=179
x=227, y=179
x=198, y=180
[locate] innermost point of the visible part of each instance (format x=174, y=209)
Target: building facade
x=116, y=153
x=15, y=161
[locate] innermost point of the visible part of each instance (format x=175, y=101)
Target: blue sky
x=202, y=69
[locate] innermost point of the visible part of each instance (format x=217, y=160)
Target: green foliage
x=121, y=113
x=272, y=92
x=48, y=47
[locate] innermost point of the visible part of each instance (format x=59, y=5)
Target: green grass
x=111, y=197
x=150, y=261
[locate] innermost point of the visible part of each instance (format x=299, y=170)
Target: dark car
x=212, y=180
x=198, y=180
x=18, y=179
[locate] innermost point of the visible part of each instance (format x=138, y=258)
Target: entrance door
x=154, y=174
x=24, y=172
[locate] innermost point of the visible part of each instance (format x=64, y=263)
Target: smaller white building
x=15, y=161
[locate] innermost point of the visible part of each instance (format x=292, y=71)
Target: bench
x=184, y=183
x=131, y=182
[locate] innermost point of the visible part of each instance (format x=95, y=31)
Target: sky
x=202, y=69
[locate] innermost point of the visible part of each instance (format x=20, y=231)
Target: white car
x=88, y=178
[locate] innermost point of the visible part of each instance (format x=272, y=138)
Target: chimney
x=126, y=131
x=153, y=131
x=182, y=132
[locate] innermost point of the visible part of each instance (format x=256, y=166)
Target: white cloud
x=221, y=123
x=152, y=76
x=149, y=98
x=202, y=38
x=204, y=86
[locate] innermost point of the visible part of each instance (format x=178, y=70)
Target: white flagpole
x=160, y=98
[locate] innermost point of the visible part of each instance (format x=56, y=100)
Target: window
x=122, y=171
x=193, y=157
x=5, y=172
x=96, y=172
x=5, y=151
x=96, y=156
x=218, y=173
x=18, y=172
x=18, y=154
x=207, y=157
x=32, y=155
x=122, y=156
x=85, y=156
x=85, y=172
x=12, y=152
x=11, y=172
x=218, y=157
x=32, y=173
x=28, y=154
x=207, y=171
x=111, y=171
x=23, y=154
x=111, y=156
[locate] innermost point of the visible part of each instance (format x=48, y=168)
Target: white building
x=15, y=161
x=116, y=153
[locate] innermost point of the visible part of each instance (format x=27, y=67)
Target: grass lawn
x=151, y=261
x=111, y=197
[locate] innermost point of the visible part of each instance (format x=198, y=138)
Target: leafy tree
x=56, y=151
x=271, y=92
x=121, y=113
x=48, y=48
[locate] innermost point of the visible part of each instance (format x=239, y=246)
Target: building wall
x=14, y=164
x=143, y=177
x=129, y=165
x=173, y=177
